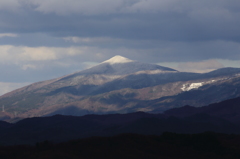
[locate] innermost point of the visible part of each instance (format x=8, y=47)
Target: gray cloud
x=135, y=19
x=10, y=5
x=43, y=39
x=203, y=66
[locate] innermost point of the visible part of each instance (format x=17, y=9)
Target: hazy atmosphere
x=45, y=39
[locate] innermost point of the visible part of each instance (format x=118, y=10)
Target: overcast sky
x=45, y=39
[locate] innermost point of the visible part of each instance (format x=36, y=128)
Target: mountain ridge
x=222, y=117
x=121, y=85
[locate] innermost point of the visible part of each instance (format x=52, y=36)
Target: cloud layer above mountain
x=43, y=39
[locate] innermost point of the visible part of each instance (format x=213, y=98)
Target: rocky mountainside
x=120, y=85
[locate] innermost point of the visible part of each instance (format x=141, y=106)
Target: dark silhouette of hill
x=167, y=146
x=61, y=128
x=229, y=110
x=220, y=117
x=4, y=125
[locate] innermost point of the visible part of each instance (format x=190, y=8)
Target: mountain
x=120, y=85
x=228, y=110
x=119, y=65
x=61, y=128
x=222, y=117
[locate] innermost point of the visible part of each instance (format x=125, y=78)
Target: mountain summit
x=119, y=65
x=118, y=59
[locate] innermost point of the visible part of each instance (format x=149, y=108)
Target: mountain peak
x=118, y=59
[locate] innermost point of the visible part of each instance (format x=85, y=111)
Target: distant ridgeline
x=223, y=117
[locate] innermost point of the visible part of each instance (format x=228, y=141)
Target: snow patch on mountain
x=117, y=59
x=157, y=71
x=190, y=86
x=187, y=87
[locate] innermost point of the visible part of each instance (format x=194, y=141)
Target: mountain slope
x=121, y=85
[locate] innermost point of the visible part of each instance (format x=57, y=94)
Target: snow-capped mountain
x=117, y=59
x=119, y=65
x=121, y=85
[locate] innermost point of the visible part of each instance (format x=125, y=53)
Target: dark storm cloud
x=33, y=40
x=180, y=20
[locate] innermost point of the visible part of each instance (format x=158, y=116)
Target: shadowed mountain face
x=229, y=110
x=60, y=128
x=223, y=117
x=120, y=85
